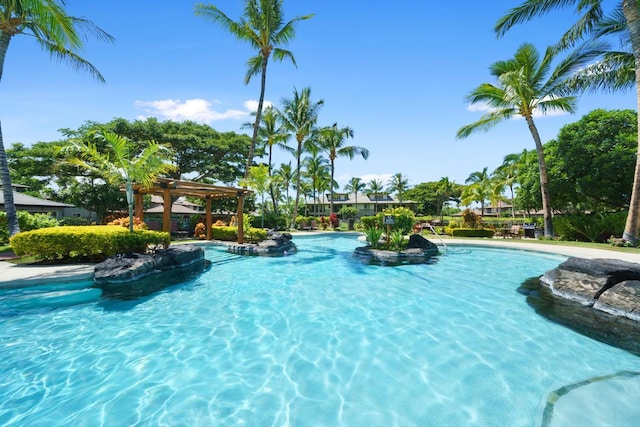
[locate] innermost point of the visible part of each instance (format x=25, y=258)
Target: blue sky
x=395, y=72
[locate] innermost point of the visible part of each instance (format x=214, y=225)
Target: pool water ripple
x=316, y=338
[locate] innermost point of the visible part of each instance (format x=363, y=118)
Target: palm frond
x=486, y=122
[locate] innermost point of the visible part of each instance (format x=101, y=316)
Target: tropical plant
x=375, y=187
x=347, y=212
x=617, y=70
x=260, y=181
x=373, y=236
x=122, y=162
x=526, y=83
x=299, y=116
x=445, y=190
x=331, y=140
x=398, y=184
x=262, y=26
x=59, y=34
x=478, y=190
x=317, y=171
x=355, y=185
x=507, y=174
x=397, y=241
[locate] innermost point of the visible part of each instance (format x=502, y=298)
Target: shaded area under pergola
x=172, y=187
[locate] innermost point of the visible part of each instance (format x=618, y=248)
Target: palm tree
x=445, y=189
x=57, y=33
x=285, y=176
x=527, y=84
x=120, y=164
x=375, y=187
x=398, y=184
x=262, y=26
x=299, y=117
x=616, y=71
x=316, y=168
x=259, y=180
x=479, y=189
x=507, y=174
x=355, y=185
x=271, y=135
x=332, y=139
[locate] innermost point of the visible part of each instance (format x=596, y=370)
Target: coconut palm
x=121, y=162
x=59, y=34
x=284, y=174
x=507, y=174
x=316, y=168
x=445, y=189
x=398, y=184
x=299, y=116
x=526, y=84
x=355, y=185
x=616, y=71
x=259, y=180
x=331, y=140
x=479, y=189
x=375, y=187
x=262, y=26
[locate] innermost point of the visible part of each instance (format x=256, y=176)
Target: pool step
x=48, y=296
x=222, y=257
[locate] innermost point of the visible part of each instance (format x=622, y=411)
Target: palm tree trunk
x=513, y=207
x=632, y=16
x=256, y=125
x=331, y=184
x=295, y=205
x=544, y=180
x=7, y=189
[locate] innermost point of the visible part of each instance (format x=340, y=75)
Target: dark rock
x=132, y=267
x=604, y=284
x=276, y=244
x=411, y=255
x=416, y=241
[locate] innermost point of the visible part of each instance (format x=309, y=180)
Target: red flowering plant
x=333, y=219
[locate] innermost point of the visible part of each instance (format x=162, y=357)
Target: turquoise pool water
x=312, y=339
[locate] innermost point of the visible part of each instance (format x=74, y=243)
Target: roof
x=195, y=189
x=350, y=198
x=175, y=209
x=21, y=199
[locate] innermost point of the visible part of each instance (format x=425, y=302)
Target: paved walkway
x=12, y=275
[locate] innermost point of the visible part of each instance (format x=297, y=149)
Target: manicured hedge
x=88, y=241
x=472, y=232
x=231, y=234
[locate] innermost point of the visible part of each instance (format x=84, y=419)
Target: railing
x=433, y=230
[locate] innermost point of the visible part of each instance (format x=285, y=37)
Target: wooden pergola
x=173, y=187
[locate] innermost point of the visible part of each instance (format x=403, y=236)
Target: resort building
x=366, y=203
x=33, y=205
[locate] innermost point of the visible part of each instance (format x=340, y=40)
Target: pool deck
x=16, y=275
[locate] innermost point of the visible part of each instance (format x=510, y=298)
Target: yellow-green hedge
x=85, y=241
x=231, y=233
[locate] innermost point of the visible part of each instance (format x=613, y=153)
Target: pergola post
x=208, y=218
x=139, y=205
x=239, y=217
x=166, y=214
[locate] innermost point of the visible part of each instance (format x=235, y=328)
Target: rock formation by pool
x=418, y=251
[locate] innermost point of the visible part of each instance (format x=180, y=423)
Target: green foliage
x=397, y=241
x=230, y=234
x=347, y=212
x=591, y=228
x=373, y=236
x=470, y=219
x=370, y=221
x=73, y=220
x=27, y=222
x=97, y=241
x=403, y=219
x=472, y=232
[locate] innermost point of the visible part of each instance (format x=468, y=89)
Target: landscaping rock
x=418, y=251
x=132, y=267
x=608, y=285
x=276, y=244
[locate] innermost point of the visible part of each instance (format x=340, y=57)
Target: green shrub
x=370, y=221
x=230, y=234
x=373, y=236
x=347, y=212
x=396, y=241
x=595, y=227
x=73, y=220
x=472, y=232
x=99, y=241
x=403, y=219
x=27, y=222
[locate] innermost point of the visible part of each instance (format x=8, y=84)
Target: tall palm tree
x=445, y=189
x=375, y=187
x=259, y=180
x=262, y=26
x=355, y=185
x=398, y=184
x=57, y=33
x=271, y=135
x=122, y=162
x=526, y=84
x=299, y=116
x=479, y=189
x=285, y=176
x=316, y=168
x=616, y=67
x=507, y=174
x=331, y=140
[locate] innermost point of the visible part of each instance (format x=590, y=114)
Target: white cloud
x=197, y=110
x=252, y=105
x=384, y=177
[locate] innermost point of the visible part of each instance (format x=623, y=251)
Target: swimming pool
x=312, y=339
